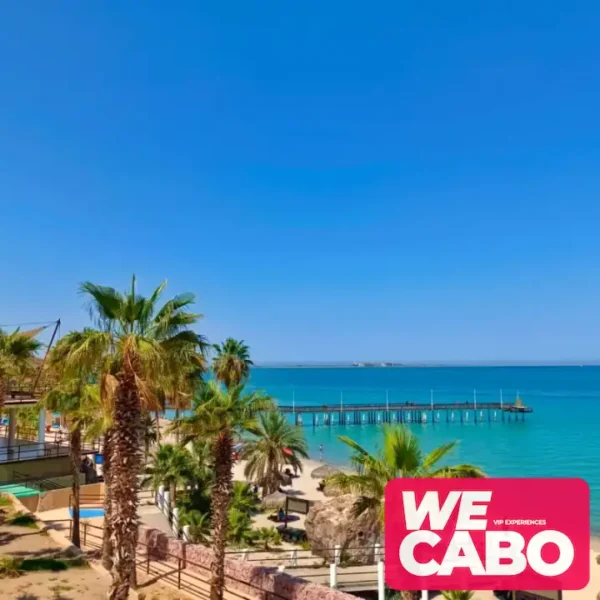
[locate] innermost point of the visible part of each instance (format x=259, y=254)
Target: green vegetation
x=135, y=352
x=111, y=381
x=243, y=498
x=10, y=567
x=16, y=355
x=239, y=531
x=400, y=456
x=219, y=414
x=267, y=537
x=170, y=466
x=231, y=364
x=200, y=525
x=457, y=595
x=5, y=500
x=276, y=444
x=21, y=519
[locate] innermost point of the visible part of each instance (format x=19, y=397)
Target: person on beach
x=321, y=452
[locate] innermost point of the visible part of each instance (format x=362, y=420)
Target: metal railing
x=87, y=500
x=38, y=483
x=25, y=432
x=178, y=571
x=36, y=450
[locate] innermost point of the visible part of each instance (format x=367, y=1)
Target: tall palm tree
x=277, y=443
x=171, y=466
x=400, y=456
x=132, y=343
x=218, y=415
x=74, y=398
x=16, y=349
x=231, y=364
x=78, y=400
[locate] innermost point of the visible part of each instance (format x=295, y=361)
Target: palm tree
x=240, y=532
x=232, y=363
x=268, y=536
x=73, y=399
x=149, y=433
x=401, y=456
x=277, y=443
x=243, y=498
x=199, y=524
x=77, y=400
x=16, y=350
x=171, y=466
x=132, y=346
x=219, y=414
x=182, y=379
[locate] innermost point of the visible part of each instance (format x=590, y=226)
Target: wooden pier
x=407, y=412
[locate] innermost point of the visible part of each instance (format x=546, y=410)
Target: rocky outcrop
x=333, y=522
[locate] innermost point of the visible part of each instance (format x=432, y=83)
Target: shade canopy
x=274, y=500
x=325, y=471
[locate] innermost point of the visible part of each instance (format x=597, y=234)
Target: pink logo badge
x=487, y=534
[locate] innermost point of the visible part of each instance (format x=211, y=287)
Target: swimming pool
x=88, y=513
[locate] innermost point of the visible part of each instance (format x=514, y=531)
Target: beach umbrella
x=274, y=500
x=288, y=452
x=325, y=471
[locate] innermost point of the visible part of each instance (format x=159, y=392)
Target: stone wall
x=242, y=577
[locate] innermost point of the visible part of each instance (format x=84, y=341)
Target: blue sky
x=335, y=181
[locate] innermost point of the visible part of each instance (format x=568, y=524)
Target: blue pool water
x=560, y=438
x=88, y=513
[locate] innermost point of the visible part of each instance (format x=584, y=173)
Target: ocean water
x=560, y=438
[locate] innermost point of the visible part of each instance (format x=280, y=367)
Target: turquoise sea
x=560, y=438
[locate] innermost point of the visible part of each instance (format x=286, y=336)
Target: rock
x=333, y=522
x=331, y=491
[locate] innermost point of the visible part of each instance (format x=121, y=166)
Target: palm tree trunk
x=125, y=466
x=2, y=392
x=75, y=472
x=177, y=431
x=107, y=545
x=173, y=493
x=157, y=416
x=221, y=495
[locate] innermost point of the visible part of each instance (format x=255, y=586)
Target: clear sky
x=334, y=180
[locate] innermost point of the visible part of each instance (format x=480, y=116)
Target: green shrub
x=267, y=537
x=10, y=567
x=22, y=519
x=304, y=545
x=5, y=500
x=44, y=564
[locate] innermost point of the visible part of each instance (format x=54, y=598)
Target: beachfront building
x=31, y=454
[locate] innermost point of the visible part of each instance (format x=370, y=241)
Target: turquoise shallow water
x=560, y=438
